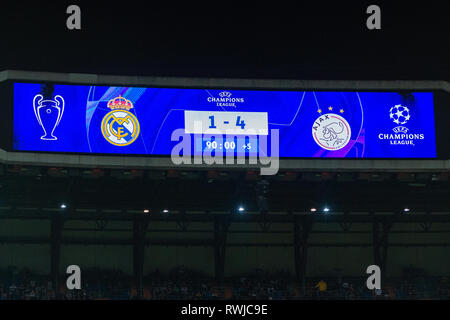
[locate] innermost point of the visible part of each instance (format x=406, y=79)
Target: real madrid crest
x=331, y=131
x=120, y=127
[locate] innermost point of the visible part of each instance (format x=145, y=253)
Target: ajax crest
x=120, y=127
x=331, y=132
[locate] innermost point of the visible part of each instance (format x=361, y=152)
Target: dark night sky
x=299, y=40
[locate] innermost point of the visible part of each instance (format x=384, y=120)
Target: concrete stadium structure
x=103, y=228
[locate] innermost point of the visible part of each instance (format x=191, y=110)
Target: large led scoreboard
x=129, y=120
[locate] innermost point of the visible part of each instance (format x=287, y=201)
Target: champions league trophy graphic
x=48, y=113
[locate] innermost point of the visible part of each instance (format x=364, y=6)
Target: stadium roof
x=43, y=189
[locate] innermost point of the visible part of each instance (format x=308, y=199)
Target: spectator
x=322, y=288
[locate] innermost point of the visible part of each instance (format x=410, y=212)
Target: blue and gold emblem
x=120, y=127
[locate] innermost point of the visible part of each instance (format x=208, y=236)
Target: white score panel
x=232, y=123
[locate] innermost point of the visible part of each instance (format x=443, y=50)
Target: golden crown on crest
x=120, y=103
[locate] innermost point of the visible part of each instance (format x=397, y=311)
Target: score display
x=220, y=122
x=141, y=121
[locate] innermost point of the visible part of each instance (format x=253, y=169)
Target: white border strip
x=181, y=82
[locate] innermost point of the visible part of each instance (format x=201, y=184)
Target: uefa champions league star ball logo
x=120, y=127
x=399, y=114
x=331, y=132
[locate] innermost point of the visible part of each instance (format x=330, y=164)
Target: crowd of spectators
x=22, y=284
x=184, y=284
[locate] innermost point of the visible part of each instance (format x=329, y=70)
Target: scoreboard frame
x=440, y=89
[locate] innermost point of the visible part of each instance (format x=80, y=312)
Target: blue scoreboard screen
x=142, y=121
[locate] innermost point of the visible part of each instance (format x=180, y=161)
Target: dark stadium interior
x=223, y=190
x=115, y=225
x=297, y=40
